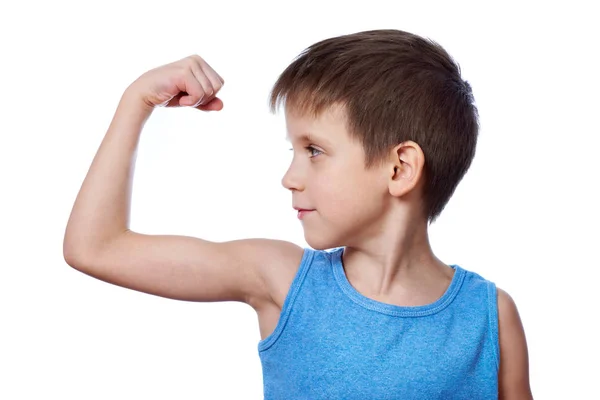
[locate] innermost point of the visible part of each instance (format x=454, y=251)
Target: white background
x=525, y=216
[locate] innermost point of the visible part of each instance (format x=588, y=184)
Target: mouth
x=302, y=212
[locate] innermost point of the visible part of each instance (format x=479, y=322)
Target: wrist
x=134, y=104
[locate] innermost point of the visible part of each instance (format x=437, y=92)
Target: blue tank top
x=331, y=342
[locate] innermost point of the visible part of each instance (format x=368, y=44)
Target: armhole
x=305, y=263
x=493, y=317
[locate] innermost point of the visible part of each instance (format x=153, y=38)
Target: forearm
x=102, y=207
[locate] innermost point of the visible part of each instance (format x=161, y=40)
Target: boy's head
x=389, y=102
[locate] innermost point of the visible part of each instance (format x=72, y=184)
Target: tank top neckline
x=391, y=309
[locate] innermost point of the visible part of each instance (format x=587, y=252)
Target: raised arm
x=98, y=240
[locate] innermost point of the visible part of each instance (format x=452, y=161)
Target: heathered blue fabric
x=331, y=342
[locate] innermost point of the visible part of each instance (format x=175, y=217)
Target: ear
x=407, y=163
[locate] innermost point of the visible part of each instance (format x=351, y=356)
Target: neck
x=396, y=262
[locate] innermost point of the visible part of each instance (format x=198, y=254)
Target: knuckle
x=191, y=61
x=196, y=59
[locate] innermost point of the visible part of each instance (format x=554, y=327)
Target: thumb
x=215, y=104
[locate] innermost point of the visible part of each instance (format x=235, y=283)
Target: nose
x=291, y=180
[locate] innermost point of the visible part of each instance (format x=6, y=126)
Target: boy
x=383, y=129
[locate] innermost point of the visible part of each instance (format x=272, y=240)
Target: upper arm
x=189, y=268
x=513, y=377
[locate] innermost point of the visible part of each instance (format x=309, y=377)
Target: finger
x=174, y=102
x=215, y=104
x=194, y=91
x=215, y=79
x=204, y=81
x=209, y=71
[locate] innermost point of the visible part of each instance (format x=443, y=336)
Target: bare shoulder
x=513, y=377
x=282, y=260
x=275, y=262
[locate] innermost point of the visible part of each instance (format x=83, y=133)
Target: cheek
x=333, y=194
x=347, y=192
x=366, y=194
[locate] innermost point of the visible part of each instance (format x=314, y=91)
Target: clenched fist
x=189, y=82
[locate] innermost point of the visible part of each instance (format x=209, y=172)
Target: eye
x=311, y=149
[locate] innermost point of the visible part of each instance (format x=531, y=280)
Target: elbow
x=72, y=254
x=79, y=254
x=75, y=251
x=70, y=248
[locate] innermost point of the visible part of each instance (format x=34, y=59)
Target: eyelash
x=309, y=148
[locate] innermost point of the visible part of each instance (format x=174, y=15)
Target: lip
x=302, y=212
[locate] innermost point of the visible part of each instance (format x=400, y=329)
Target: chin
x=321, y=242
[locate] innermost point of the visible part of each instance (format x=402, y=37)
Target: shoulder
x=277, y=270
x=513, y=376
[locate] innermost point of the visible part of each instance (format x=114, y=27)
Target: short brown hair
x=395, y=86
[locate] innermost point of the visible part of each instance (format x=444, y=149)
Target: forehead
x=329, y=126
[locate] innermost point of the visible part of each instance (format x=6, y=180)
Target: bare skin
x=387, y=258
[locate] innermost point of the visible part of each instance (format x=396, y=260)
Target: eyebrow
x=308, y=137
